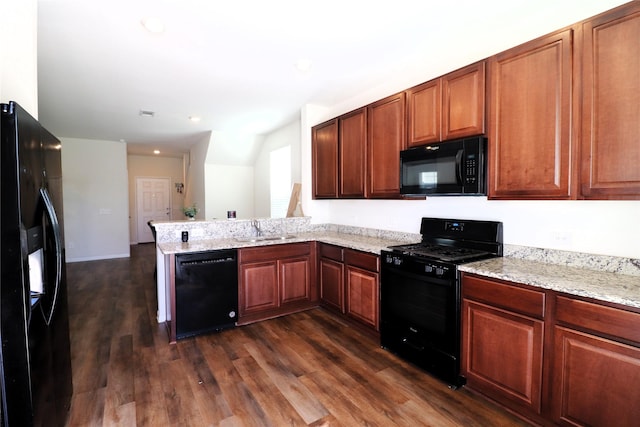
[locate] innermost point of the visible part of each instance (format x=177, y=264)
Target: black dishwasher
x=206, y=292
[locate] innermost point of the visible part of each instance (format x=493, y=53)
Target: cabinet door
x=386, y=133
x=324, y=148
x=362, y=296
x=611, y=105
x=502, y=354
x=295, y=280
x=595, y=381
x=332, y=284
x=353, y=149
x=530, y=120
x=258, y=287
x=463, y=99
x=424, y=109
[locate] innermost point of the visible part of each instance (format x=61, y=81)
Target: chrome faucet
x=256, y=225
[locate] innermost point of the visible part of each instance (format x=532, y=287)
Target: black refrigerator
x=35, y=362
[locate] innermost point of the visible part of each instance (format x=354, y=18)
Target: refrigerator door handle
x=57, y=240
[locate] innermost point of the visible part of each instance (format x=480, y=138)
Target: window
x=280, y=181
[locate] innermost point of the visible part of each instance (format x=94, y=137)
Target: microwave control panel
x=472, y=169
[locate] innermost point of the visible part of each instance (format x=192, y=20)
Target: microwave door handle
x=459, y=166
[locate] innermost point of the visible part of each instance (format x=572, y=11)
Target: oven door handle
x=406, y=341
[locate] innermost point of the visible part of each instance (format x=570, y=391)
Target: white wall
x=196, y=178
x=229, y=188
x=606, y=227
x=286, y=135
x=19, y=54
x=96, y=207
x=154, y=167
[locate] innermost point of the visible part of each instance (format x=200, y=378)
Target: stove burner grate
x=439, y=252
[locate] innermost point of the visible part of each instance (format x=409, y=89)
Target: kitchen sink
x=264, y=238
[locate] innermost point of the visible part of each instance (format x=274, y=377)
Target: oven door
x=420, y=315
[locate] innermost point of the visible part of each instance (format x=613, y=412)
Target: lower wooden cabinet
x=331, y=276
x=362, y=288
x=551, y=357
x=596, y=380
x=349, y=283
x=596, y=364
x=503, y=339
x=275, y=280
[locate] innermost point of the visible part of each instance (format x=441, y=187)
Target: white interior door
x=153, y=202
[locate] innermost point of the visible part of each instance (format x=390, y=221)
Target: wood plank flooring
x=306, y=369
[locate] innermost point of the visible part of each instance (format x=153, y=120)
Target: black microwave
x=456, y=167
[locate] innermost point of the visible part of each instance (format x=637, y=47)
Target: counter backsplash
x=605, y=263
x=170, y=231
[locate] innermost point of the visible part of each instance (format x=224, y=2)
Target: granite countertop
x=352, y=241
x=604, y=286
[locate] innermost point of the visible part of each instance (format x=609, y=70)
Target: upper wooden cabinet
x=324, y=148
x=352, y=143
x=563, y=120
x=448, y=107
x=530, y=146
x=386, y=138
x=610, y=150
x=424, y=113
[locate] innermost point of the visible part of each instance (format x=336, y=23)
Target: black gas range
x=420, y=292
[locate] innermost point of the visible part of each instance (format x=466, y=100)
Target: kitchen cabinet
x=610, y=150
x=502, y=341
x=331, y=276
x=339, y=153
x=549, y=356
x=349, y=282
x=324, y=148
x=362, y=287
x=596, y=365
x=452, y=106
x=531, y=147
x=275, y=280
x=352, y=145
x=386, y=138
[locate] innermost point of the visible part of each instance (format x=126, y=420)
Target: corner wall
x=96, y=199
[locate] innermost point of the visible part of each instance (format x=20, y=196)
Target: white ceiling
x=232, y=62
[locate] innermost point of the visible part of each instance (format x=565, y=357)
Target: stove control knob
x=397, y=260
x=428, y=268
x=439, y=271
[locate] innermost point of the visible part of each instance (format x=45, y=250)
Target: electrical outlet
x=564, y=238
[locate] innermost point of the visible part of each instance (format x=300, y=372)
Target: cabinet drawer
x=332, y=252
x=269, y=253
x=505, y=295
x=363, y=260
x=599, y=318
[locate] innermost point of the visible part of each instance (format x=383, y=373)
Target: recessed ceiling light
x=153, y=25
x=194, y=118
x=147, y=113
x=156, y=151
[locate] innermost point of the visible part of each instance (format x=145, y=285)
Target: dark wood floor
x=306, y=369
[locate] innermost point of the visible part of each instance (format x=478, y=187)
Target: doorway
x=153, y=202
